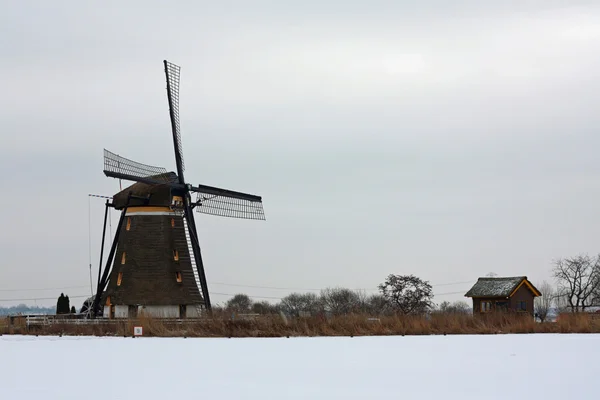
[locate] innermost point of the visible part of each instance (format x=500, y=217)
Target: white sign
x=137, y=331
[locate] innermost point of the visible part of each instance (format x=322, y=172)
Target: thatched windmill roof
x=160, y=194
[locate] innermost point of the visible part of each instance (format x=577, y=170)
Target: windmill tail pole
x=102, y=282
x=90, y=244
x=102, y=245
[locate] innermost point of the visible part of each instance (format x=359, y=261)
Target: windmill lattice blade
x=224, y=206
x=117, y=166
x=173, y=73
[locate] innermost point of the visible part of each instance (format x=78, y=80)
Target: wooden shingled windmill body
x=157, y=267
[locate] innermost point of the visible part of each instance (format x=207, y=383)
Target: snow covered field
x=542, y=366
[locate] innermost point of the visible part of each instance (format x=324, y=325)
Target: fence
x=32, y=321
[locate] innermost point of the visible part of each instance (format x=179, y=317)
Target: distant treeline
x=25, y=309
x=399, y=294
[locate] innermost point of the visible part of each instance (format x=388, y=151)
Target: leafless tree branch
x=543, y=303
x=578, y=281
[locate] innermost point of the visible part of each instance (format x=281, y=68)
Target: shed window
x=128, y=223
x=521, y=306
x=123, y=258
x=119, y=278
x=486, y=306
x=178, y=276
x=501, y=305
x=175, y=255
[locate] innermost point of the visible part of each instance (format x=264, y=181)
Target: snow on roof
x=495, y=287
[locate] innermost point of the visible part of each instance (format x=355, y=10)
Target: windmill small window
x=177, y=202
x=119, y=278
x=178, y=276
x=128, y=223
x=123, y=258
x=175, y=255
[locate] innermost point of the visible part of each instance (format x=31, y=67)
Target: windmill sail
x=227, y=206
x=172, y=73
x=119, y=167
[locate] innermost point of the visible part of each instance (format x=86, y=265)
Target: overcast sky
x=445, y=141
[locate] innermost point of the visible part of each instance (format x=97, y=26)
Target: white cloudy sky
x=446, y=141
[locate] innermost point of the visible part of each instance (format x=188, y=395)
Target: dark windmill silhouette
x=158, y=265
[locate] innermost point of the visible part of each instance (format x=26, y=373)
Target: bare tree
x=239, y=303
x=458, y=307
x=560, y=302
x=578, y=280
x=377, y=305
x=543, y=303
x=340, y=301
x=407, y=293
x=363, y=301
x=296, y=303
x=596, y=291
x=264, y=307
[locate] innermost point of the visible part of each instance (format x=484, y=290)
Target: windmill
x=158, y=265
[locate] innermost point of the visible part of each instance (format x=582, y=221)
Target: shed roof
x=499, y=286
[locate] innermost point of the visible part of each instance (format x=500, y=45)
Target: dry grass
x=350, y=325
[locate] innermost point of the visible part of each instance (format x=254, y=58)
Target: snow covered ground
x=542, y=366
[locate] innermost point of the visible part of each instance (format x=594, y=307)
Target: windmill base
x=168, y=311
